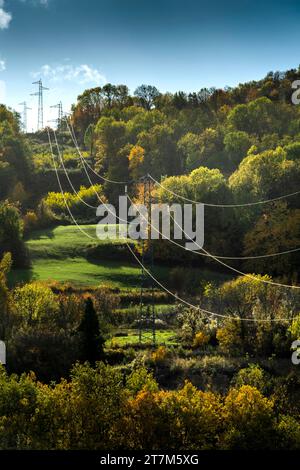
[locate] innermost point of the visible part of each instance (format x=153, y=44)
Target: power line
x=72, y=133
x=149, y=273
x=237, y=258
x=200, y=309
x=250, y=276
x=206, y=252
x=147, y=325
x=266, y=201
x=67, y=175
x=39, y=93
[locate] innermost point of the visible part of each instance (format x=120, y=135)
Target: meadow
x=61, y=254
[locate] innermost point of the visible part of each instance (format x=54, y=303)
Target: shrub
x=253, y=375
x=30, y=221
x=200, y=340
x=229, y=337
x=161, y=355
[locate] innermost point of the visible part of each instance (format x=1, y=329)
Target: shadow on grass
x=40, y=234
x=20, y=276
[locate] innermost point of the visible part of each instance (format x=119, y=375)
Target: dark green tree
x=92, y=341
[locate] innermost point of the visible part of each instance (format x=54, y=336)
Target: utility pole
x=40, y=124
x=147, y=326
x=24, y=116
x=59, y=122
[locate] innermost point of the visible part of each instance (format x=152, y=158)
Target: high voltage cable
x=224, y=205
x=219, y=261
x=62, y=191
x=67, y=175
x=205, y=254
x=200, y=308
x=72, y=132
x=208, y=312
x=266, y=201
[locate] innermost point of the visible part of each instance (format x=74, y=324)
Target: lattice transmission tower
x=147, y=317
x=40, y=94
x=60, y=116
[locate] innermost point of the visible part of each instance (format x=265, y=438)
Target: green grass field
x=59, y=254
x=64, y=241
x=131, y=338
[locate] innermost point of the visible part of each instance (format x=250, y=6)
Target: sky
x=172, y=44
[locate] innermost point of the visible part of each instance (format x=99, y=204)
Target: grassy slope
x=59, y=254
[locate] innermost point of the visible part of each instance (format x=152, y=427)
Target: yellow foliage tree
x=136, y=158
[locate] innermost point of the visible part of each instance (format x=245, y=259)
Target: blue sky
x=172, y=44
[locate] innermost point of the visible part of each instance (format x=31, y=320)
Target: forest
x=218, y=373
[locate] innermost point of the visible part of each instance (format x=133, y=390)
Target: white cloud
x=82, y=74
x=44, y=3
x=5, y=16
x=2, y=65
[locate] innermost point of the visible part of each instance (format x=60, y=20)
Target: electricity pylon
x=59, y=121
x=24, y=115
x=60, y=113
x=40, y=124
x=147, y=325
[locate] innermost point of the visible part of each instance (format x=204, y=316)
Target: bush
x=229, y=337
x=161, y=355
x=253, y=375
x=30, y=221
x=200, y=340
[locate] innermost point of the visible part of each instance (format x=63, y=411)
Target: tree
x=147, y=95
x=264, y=175
x=110, y=139
x=249, y=420
x=257, y=117
x=211, y=147
x=207, y=186
x=14, y=149
x=229, y=337
x=44, y=348
x=35, y=303
x=87, y=110
x=92, y=342
x=236, y=146
x=89, y=138
x=136, y=159
x=276, y=230
x=190, y=147
x=5, y=318
x=252, y=375
x=157, y=142
x=11, y=234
